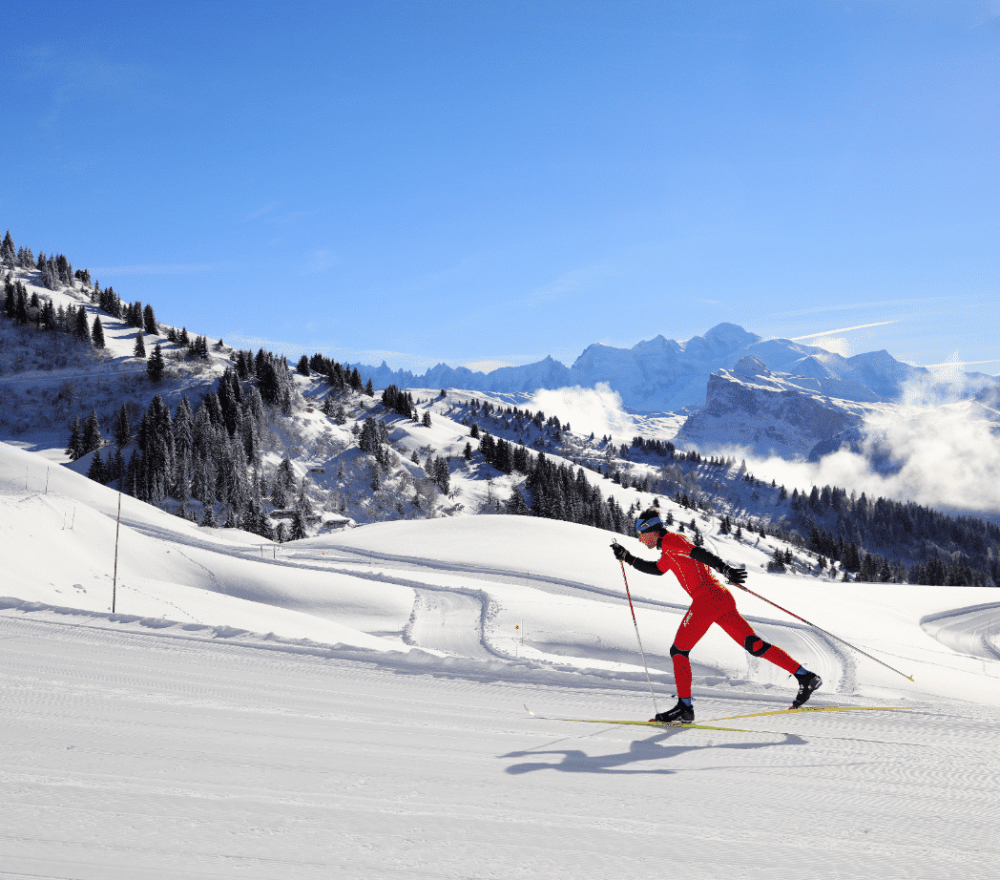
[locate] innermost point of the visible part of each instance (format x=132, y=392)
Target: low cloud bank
x=598, y=410
x=942, y=454
x=942, y=447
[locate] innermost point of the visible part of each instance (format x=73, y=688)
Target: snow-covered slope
x=353, y=704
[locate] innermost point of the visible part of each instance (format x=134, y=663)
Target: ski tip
x=910, y=677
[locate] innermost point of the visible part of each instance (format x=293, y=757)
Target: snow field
x=352, y=705
x=131, y=754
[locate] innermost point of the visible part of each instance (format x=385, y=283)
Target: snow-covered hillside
x=353, y=703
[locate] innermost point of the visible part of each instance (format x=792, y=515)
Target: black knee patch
x=755, y=645
x=674, y=651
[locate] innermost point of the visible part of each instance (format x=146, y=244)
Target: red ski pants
x=718, y=606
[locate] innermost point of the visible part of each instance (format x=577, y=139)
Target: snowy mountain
x=661, y=375
x=767, y=413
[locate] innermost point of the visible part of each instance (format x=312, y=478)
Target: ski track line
x=971, y=631
x=524, y=673
x=519, y=579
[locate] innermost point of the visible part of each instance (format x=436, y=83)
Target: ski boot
x=682, y=713
x=808, y=682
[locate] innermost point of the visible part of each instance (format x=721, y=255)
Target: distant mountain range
x=661, y=375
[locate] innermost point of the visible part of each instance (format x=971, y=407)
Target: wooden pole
x=114, y=583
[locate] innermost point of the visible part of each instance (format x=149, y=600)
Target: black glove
x=621, y=554
x=737, y=576
x=732, y=574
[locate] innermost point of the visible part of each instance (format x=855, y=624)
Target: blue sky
x=501, y=181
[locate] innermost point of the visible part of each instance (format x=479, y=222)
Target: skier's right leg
x=700, y=616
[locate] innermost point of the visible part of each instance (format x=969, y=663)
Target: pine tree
x=48, y=317
x=298, y=527
x=183, y=430
x=74, y=446
x=9, y=299
x=97, y=333
x=160, y=452
x=116, y=469
x=516, y=505
x=270, y=384
x=8, y=254
x=123, y=429
x=441, y=475
x=149, y=321
x=21, y=305
x=284, y=484
x=82, y=327
x=96, y=470
x=369, y=440
x=156, y=365
x=140, y=347
x=91, y=439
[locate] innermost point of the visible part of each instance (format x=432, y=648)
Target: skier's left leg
x=737, y=628
x=742, y=633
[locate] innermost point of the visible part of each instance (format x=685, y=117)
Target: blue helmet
x=649, y=519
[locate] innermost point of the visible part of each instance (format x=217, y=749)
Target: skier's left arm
x=732, y=574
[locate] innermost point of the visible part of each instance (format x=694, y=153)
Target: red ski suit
x=711, y=603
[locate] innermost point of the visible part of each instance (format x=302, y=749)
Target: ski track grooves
x=973, y=631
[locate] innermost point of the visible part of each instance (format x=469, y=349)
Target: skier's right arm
x=643, y=565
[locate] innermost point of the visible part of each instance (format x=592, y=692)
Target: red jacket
x=695, y=577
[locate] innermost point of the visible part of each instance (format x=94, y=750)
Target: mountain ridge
x=663, y=375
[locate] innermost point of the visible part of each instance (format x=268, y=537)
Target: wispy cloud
x=834, y=341
x=157, y=269
x=962, y=363
x=273, y=214
x=567, y=284
x=319, y=261
x=991, y=16
x=73, y=74
x=468, y=267
x=263, y=211
x=896, y=304
x=842, y=330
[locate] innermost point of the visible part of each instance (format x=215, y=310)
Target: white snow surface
x=352, y=705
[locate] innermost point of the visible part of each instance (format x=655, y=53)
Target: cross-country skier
x=711, y=603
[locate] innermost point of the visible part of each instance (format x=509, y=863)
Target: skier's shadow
x=653, y=748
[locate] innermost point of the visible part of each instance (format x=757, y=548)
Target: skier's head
x=650, y=527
